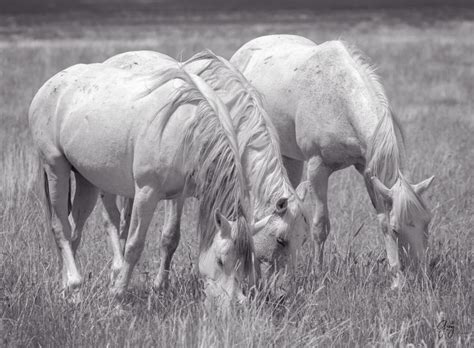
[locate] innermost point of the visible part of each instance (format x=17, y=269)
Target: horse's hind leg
x=112, y=221
x=144, y=204
x=318, y=174
x=169, y=241
x=57, y=190
x=85, y=198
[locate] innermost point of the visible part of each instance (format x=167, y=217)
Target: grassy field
x=427, y=67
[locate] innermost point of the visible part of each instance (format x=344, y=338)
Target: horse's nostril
x=283, y=242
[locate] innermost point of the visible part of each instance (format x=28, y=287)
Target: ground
x=426, y=64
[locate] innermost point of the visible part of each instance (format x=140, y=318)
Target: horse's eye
x=282, y=242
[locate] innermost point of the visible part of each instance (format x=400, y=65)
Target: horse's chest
x=339, y=153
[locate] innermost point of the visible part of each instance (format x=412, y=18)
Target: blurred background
x=216, y=5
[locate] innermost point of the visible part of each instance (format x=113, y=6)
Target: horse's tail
x=386, y=150
x=47, y=198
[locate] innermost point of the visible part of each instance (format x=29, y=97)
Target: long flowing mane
x=211, y=158
x=386, y=149
x=255, y=132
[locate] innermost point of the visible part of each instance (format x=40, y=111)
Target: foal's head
x=229, y=261
x=405, y=221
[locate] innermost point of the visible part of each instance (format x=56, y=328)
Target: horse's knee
x=170, y=242
x=320, y=228
x=133, y=250
x=170, y=237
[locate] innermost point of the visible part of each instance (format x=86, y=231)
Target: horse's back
x=141, y=61
x=100, y=119
x=308, y=91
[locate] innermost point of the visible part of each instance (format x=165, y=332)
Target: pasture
x=427, y=67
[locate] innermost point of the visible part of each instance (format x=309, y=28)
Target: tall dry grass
x=428, y=72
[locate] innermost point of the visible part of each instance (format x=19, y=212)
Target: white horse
x=282, y=224
x=331, y=111
x=148, y=137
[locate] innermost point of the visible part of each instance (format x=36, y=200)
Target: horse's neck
x=267, y=180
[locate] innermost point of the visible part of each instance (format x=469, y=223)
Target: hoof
x=117, y=293
x=75, y=297
x=160, y=285
x=72, y=296
x=398, y=282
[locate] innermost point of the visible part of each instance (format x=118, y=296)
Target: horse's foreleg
x=112, y=223
x=391, y=247
x=125, y=206
x=169, y=241
x=144, y=204
x=57, y=193
x=318, y=174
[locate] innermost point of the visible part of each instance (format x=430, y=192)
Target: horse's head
x=405, y=220
x=229, y=261
x=278, y=236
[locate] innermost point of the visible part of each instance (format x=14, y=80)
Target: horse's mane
x=210, y=156
x=386, y=150
x=255, y=130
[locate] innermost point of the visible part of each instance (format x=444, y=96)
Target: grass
x=427, y=68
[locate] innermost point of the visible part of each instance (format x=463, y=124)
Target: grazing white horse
x=282, y=224
x=331, y=111
x=149, y=137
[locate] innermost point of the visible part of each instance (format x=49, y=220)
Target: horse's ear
x=381, y=188
x=281, y=206
x=303, y=189
x=421, y=187
x=222, y=224
x=260, y=224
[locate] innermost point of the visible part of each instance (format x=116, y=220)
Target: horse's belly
x=103, y=154
x=340, y=153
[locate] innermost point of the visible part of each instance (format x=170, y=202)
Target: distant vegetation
x=31, y=6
